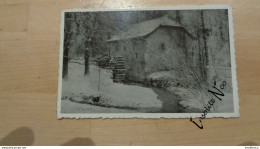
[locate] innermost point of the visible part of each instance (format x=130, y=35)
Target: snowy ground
x=112, y=94
x=73, y=107
x=195, y=98
x=121, y=98
x=198, y=99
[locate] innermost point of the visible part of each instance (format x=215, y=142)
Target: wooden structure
x=119, y=71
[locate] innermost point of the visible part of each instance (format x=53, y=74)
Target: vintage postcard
x=149, y=62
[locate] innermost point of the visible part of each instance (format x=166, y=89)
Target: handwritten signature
x=211, y=102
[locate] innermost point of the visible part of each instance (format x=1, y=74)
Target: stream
x=170, y=101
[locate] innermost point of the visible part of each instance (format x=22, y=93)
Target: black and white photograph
x=169, y=62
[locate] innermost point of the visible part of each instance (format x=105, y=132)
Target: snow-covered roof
x=143, y=28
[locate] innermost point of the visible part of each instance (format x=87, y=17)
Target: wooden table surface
x=29, y=55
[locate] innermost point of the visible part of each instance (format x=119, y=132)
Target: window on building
x=192, y=53
x=162, y=46
x=124, y=47
x=116, y=47
x=108, y=36
x=143, y=64
x=101, y=37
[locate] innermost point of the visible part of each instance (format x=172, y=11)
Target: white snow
x=113, y=94
x=189, y=97
x=225, y=105
x=73, y=107
x=198, y=99
x=161, y=75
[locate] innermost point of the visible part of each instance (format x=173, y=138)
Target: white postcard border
x=152, y=115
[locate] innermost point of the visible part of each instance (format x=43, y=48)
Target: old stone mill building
x=151, y=46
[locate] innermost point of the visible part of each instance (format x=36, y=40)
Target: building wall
x=163, y=49
x=133, y=53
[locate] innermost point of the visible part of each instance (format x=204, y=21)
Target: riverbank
x=131, y=96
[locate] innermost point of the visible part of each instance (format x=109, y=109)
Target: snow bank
x=189, y=98
x=161, y=75
x=113, y=94
x=198, y=99
x=73, y=107
x=225, y=105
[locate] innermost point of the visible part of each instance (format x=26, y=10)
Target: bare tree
x=90, y=26
x=93, y=27
x=68, y=33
